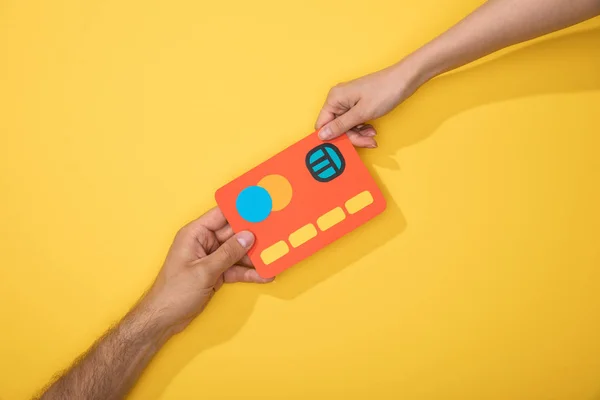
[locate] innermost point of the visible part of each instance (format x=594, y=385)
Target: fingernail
x=325, y=133
x=245, y=238
x=369, y=133
x=372, y=146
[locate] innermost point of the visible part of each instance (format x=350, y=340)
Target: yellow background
x=119, y=120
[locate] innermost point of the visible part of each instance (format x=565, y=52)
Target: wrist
x=419, y=67
x=406, y=77
x=147, y=324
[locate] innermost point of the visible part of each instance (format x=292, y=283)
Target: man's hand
x=204, y=255
x=349, y=105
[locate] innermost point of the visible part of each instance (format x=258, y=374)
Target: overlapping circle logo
x=271, y=193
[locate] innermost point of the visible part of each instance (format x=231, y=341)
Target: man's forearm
x=496, y=25
x=111, y=367
x=204, y=255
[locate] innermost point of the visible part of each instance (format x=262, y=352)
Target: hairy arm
x=204, y=255
x=113, y=364
x=493, y=26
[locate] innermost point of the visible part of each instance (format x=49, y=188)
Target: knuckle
x=182, y=232
x=335, y=91
x=227, y=253
x=339, y=124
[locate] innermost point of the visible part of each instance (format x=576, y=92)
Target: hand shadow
x=538, y=65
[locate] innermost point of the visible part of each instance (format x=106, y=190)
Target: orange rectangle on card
x=300, y=200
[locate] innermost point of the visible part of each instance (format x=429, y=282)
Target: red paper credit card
x=300, y=200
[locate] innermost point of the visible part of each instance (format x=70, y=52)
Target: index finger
x=325, y=116
x=213, y=219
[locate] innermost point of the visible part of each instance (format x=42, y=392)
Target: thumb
x=342, y=124
x=230, y=252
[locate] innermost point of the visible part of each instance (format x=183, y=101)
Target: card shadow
x=540, y=71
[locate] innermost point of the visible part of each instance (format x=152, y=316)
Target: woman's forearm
x=496, y=25
x=493, y=26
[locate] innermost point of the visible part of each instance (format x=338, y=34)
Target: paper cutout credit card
x=301, y=200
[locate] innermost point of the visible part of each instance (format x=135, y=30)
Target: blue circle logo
x=254, y=204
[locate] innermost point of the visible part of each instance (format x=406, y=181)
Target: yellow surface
x=359, y=202
x=119, y=120
x=303, y=235
x=274, y=252
x=279, y=188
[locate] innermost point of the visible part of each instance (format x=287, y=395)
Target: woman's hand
x=350, y=105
